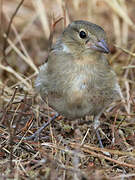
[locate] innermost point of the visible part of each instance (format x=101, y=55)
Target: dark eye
x=82, y=34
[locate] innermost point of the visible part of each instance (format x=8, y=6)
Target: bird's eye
x=82, y=35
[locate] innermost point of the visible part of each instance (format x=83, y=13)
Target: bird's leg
x=96, y=126
x=36, y=134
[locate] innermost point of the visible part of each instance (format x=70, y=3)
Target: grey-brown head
x=85, y=36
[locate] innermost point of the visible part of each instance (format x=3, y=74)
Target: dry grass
x=65, y=149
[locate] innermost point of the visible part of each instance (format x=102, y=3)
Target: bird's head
x=84, y=36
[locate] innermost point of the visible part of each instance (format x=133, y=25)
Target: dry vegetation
x=65, y=149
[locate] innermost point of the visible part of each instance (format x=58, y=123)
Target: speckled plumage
x=77, y=79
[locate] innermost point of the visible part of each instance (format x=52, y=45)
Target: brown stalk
x=8, y=30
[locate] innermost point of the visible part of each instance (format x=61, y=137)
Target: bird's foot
x=99, y=139
x=100, y=142
x=96, y=127
x=35, y=136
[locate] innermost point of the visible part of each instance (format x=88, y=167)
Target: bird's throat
x=88, y=59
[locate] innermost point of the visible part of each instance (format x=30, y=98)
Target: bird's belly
x=72, y=104
x=76, y=104
x=80, y=100
x=86, y=102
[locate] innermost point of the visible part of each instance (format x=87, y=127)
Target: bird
x=77, y=79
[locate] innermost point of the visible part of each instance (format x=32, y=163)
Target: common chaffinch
x=77, y=79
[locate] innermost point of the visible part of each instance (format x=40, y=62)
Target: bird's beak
x=100, y=46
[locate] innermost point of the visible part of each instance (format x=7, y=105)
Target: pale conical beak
x=101, y=46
